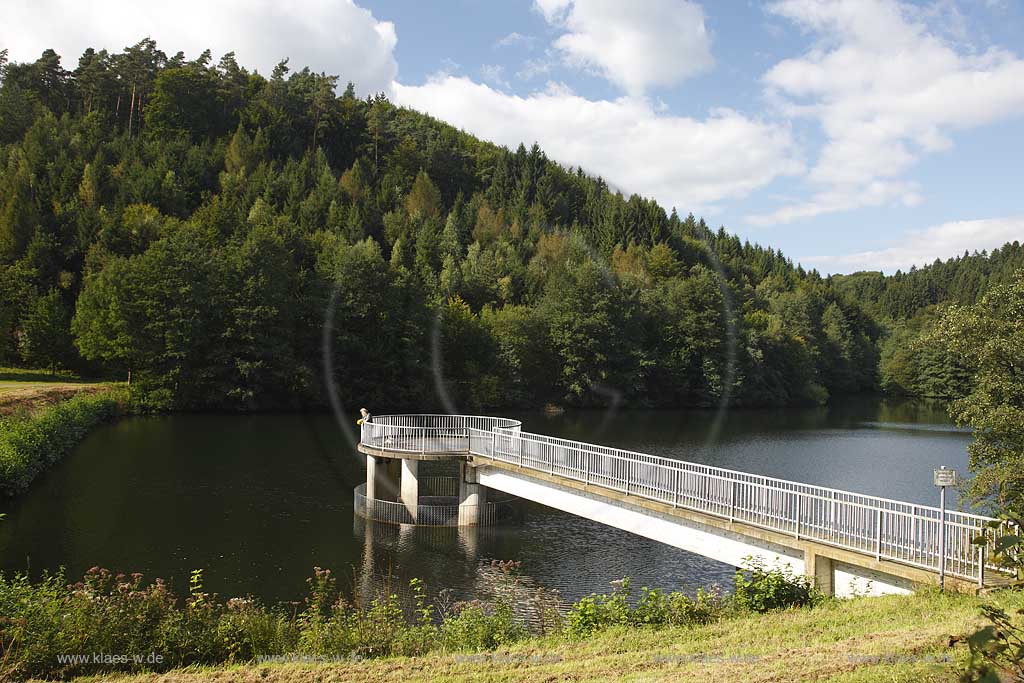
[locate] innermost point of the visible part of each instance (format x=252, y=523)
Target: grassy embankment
x=24, y=390
x=43, y=416
x=896, y=638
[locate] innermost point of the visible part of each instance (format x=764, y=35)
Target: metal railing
x=433, y=513
x=878, y=527
x=429, y=433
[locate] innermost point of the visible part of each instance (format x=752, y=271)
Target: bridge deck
x=873, y=529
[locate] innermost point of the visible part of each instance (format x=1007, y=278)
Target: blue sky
x=852, y=134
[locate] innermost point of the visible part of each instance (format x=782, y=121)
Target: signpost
x=942, y=478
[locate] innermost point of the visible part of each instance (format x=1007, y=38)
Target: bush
x=997, y=649
x=29, y=443
x=595, y=613
x=478, y=626
x=654, y=608
x=43, y=622
x=760, y=589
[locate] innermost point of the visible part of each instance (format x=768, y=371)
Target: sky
x=851, y=134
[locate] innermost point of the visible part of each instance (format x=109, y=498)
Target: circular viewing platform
x=394, y=492
x=429, y=437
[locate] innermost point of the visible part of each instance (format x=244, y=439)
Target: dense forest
x=909, y=305
x=234, y=241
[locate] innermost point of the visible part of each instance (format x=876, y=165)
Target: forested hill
x=908, y=305
x=962, y=279
x=213, y=232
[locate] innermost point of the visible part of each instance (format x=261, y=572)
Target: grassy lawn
x=29, y=389
x=896, y=639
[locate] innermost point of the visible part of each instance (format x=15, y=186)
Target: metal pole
x=797, y=515
x=981, y=566
x=942, y=538
x=878, y=533
x=732, y=501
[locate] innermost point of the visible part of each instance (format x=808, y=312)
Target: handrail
x=726, y=473
x=880, y=527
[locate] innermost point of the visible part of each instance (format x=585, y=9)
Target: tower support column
x=410, y=492
x=472, y=498
x=371, y=477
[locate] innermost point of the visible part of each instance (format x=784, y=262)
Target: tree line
x=240, y=241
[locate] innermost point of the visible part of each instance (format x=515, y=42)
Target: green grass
x=18, y=380
x=895, y=638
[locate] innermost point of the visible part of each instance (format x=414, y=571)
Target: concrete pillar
x=411, y=486
x=472, y=498
x=381, y=478
x=371, y=476
x=820, y=569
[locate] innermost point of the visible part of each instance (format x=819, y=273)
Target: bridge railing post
x=732, y=500
x=981, y=566
x=878, y=533
x=832, y=516
x=797, y=518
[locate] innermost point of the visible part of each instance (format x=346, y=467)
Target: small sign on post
x=943, y=477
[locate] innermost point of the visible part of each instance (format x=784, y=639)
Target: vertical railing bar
x=878, y=533
x=797, y=526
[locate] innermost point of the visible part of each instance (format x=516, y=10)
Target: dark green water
x=257, y=501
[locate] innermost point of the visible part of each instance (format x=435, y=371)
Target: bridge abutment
x=820, y=569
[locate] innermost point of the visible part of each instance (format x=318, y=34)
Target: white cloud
x=886, y=87
x=516, y=38
x=922, y=247
x=541, y=66
x=494, y=73
x=842, y=197
x=680, y=161
x=635, y=45
x=334, y=36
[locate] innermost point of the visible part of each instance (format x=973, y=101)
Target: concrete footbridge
x=848, y=542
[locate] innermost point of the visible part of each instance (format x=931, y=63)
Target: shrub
x=29, y=443
x=597, y=612
x=655, y=608
x=997, y=649
x=478, y=626
x=760, y=589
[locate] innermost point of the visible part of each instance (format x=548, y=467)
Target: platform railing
x=432, y=514
x=429, y=433
x=882, y=528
